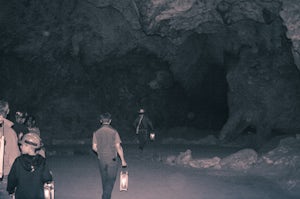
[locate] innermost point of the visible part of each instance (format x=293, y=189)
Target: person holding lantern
x=143, y=126
x=29, y=171
x=107, y=145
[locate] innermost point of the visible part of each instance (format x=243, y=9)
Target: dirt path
x=77, y=177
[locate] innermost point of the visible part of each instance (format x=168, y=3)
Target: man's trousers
x=108, y=169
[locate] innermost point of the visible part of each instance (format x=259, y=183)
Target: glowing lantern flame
x=124, y=181
x=49, y=190
x=152, y=136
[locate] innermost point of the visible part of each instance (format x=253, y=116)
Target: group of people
x=25, y=170
x=25, y=167
x=25, y=123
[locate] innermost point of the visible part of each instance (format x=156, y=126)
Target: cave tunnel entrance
x=200, y=67
x=169, y=104
x=208, y=107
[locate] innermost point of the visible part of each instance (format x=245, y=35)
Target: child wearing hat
x=29, y=171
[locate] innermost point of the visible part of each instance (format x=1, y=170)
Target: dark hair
x=3, y=107
x=21, y=114
x=105, y=116
x=31, y=117
x=32, y=120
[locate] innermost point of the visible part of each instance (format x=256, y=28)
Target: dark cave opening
x=209, y=106
x=200, y=69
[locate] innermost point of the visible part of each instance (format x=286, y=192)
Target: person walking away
x=19, y=125
x=11, y=148
x=143, y=126
x=107, y=145
x=29, y=171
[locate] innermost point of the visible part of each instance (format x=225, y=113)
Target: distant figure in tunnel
x=11, y=149
x=107, y=145
x=143, y=126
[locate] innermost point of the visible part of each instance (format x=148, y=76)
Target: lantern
x=49, y=190
x=152, y=136
x=123, y=180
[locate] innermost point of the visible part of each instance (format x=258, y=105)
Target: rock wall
x=100, y=55
x=291, y=19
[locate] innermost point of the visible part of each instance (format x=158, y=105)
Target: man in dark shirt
x=143, y=126
x=107, y=145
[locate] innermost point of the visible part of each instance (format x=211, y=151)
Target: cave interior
x=66, y=62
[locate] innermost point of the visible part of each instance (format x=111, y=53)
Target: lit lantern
x=152, y=136
x=124, y=181
x=49, y=190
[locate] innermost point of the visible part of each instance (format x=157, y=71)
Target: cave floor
x=77, y=177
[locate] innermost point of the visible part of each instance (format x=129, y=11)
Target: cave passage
x=209, y=103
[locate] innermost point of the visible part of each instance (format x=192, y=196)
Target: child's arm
x=47, y=174
x=12, y=178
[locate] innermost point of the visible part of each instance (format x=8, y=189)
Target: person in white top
x=11, y=148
